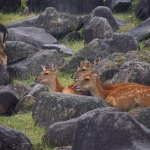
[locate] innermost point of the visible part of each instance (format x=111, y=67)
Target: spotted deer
x=87, y=67
x=123, y=98
x=49, y=77
x=3, y=38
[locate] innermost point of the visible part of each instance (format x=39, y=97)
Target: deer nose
x=71, y=76
x=35, y=79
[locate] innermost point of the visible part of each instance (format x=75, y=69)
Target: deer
x=3, y=38
x=49, y=77
x=87, y=67
x=124, y=98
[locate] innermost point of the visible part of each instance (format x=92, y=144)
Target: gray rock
x=72, y=36
x=119, y=5
x=9, y=6
x=104, y=12
x=141, y=31
x=55, y=107
x=12, y=139
x=97, y=27
x=64, y=50
x=8, y=102
x=133, y=71
x=29, y=22
x=102, y=48
x=142, y=115
x=5, y=77
x=31, y=35
x=58, y=24
x=142, y=10
x=32, y=65
x=147, y=43
x=113, y=130
x=69, y=6
x=17, y=51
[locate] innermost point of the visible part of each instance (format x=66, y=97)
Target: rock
x=58, y=24
x=8, y=102
x=9, y=5
x=147, y=43
x=55, y=107
x=32, y=65
x=64, y=50
x=29, y=22
x=12, y=139
x=113, y=130
x=69, y=6
x=119, y=5
x=97, y=27
x=142, y=10
x=141, y=31
x=5, y=77
x=103, y=12
x=72, y=36
x=17, y=51
x=31, y=35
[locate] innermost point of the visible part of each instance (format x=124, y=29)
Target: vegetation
x=24, y=122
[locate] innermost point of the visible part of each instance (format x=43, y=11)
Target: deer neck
x=99, y=91
x=56, y=86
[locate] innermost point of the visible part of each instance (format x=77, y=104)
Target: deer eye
x=46, y=73
x=86, y=79
x=83, y=69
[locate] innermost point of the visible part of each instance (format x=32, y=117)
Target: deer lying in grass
x=49, y=77
x=3, y=38
x=87, y=67
x=123, y=98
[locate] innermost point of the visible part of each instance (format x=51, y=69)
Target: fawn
x=49, y=77
x=123, y=98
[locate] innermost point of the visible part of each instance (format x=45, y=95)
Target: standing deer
x=49, y=77
x=123, y=97
x=3, y=38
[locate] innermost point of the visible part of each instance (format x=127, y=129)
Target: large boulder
x=97, y=27
x=31, y=35
x=5, y=77
x=9, y=5
x=58, y=24
x=133, y=71
x=113, y=130
x=17, y=51
x=142, y=10
x=32, y=65
x=54, y=107
x=13, y=140
x=8, y=102
x=103, y=12
x=119, y=5
x=69, y=6
x=119, y=68
x=102, y=48
x=29, y=22
x=141, y=31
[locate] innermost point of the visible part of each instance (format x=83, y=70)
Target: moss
x=56, y=23
x=111, y=64
x=119, y=59
x=144, y=56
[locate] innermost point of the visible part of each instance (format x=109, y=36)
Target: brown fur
x=3, y=38
x=123, y=97
x=49, y=77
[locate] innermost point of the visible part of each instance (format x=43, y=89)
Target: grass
x=24, y=122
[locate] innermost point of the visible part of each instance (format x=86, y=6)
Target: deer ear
x=96, y=74
x=43, y=67
x=96, y=61
x=54, y=68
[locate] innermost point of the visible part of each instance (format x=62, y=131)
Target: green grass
x=24, y=122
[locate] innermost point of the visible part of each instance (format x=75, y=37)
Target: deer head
x=86, y=67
